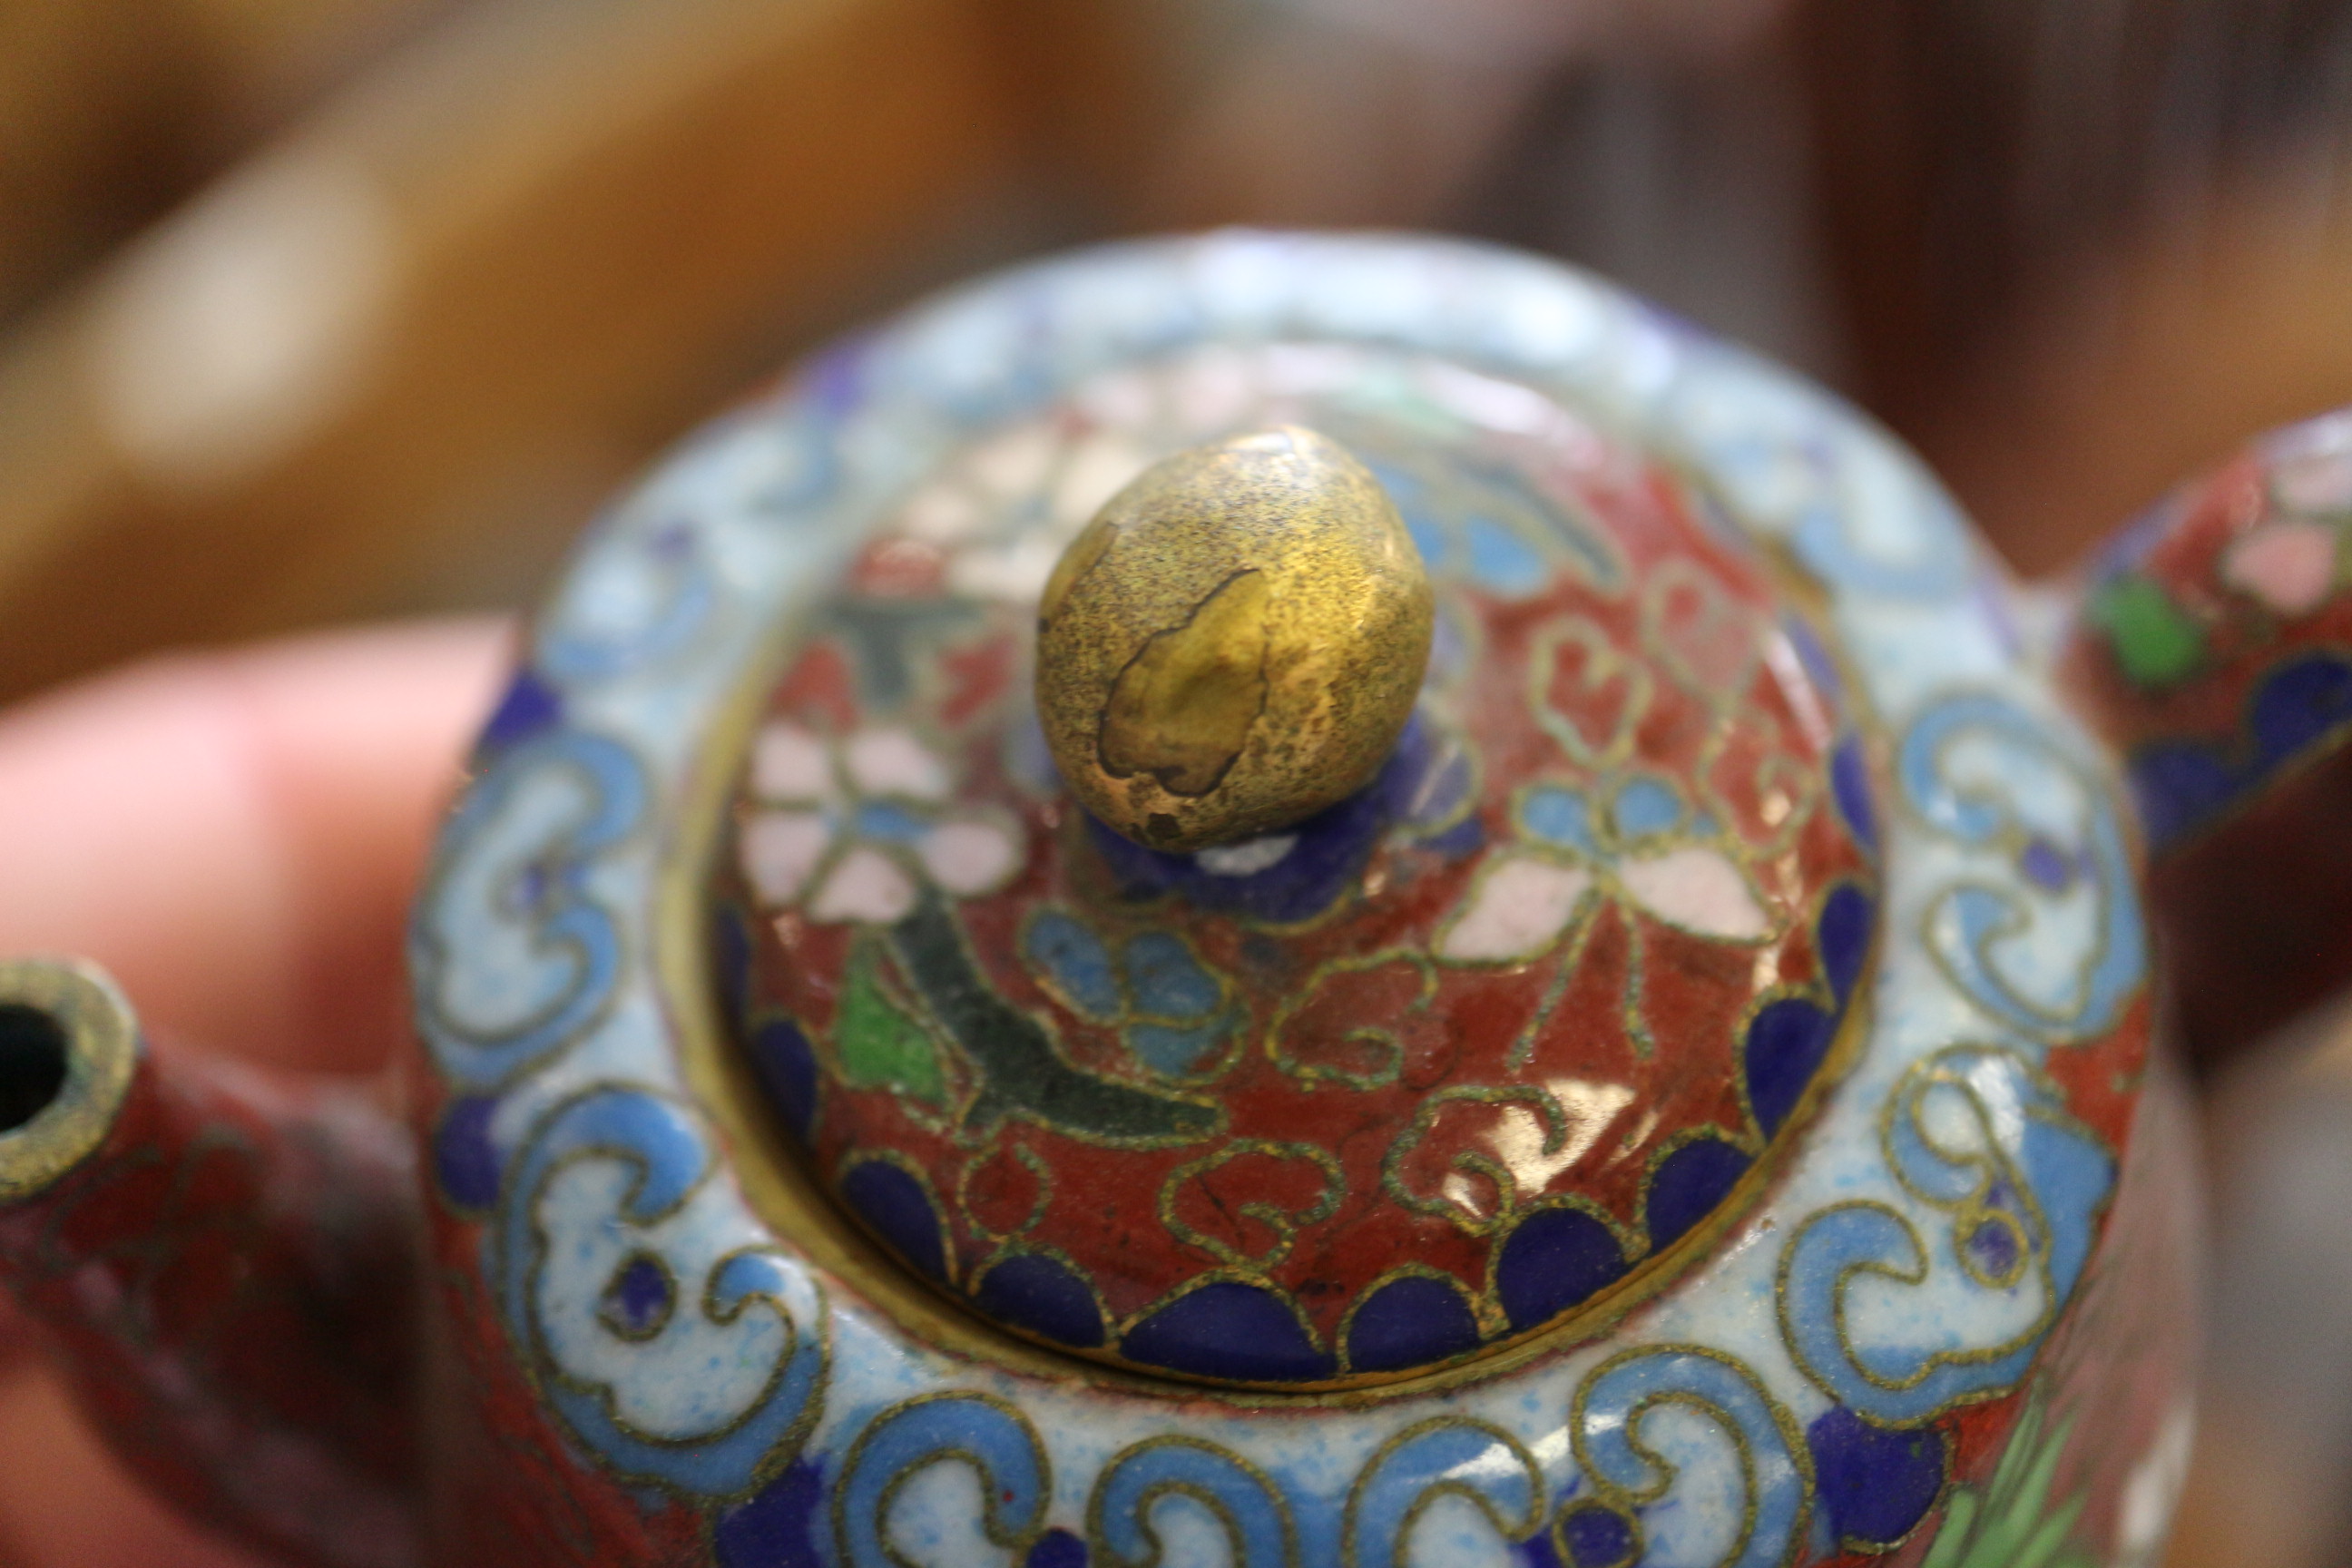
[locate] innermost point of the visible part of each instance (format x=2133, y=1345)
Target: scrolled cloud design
x=1901, y=1326
x=628, y=1272
x=1442, y=1456
x=640, y=600
x=1637, y=1470
x=2046, y=934
x=974, y=1429
x=1794, y=462
x=1243, y=1501
x=513, y=956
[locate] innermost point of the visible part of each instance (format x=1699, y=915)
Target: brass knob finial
x=1234, y=643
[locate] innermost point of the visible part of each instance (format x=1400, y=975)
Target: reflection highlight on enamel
x=1534, y=1150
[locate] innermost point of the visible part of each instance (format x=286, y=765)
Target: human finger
x=67, y=1502
x=236, y=835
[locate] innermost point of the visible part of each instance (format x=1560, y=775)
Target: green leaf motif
x=2155, y=640
x=878, y=1044
x=2009, y=1523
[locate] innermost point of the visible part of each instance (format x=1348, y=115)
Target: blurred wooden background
x=313, y=311
x=385, y=350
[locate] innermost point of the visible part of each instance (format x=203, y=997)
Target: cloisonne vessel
x=1522, y=954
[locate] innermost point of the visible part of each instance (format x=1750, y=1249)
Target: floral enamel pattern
x=2214, y=648
x=1471, y=1051
x=2214, y=639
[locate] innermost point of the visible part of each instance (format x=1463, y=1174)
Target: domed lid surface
x=1489, y=1047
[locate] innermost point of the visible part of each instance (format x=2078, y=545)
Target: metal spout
x=224, y=1264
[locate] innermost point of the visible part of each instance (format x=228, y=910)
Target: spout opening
x=33, y=1051
x=69, y=1043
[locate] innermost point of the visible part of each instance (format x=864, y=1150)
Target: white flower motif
x=2289, y=565
x=1521, y=905
x=1698, y=888
x=1043, y=480
x=1525, y=900
x=865, y=885
x=849, y=829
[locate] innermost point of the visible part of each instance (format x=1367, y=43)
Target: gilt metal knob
x=1234, y=643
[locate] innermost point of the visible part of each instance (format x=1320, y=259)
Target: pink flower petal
x=1517, y=908
x=1698, y=889
x=868, y=885
x=789, y=763
x=779, y=851
x=969, y=857
x=892, y=762
x=2289, y=566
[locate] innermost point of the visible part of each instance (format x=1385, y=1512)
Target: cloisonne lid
x=1393, y=887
